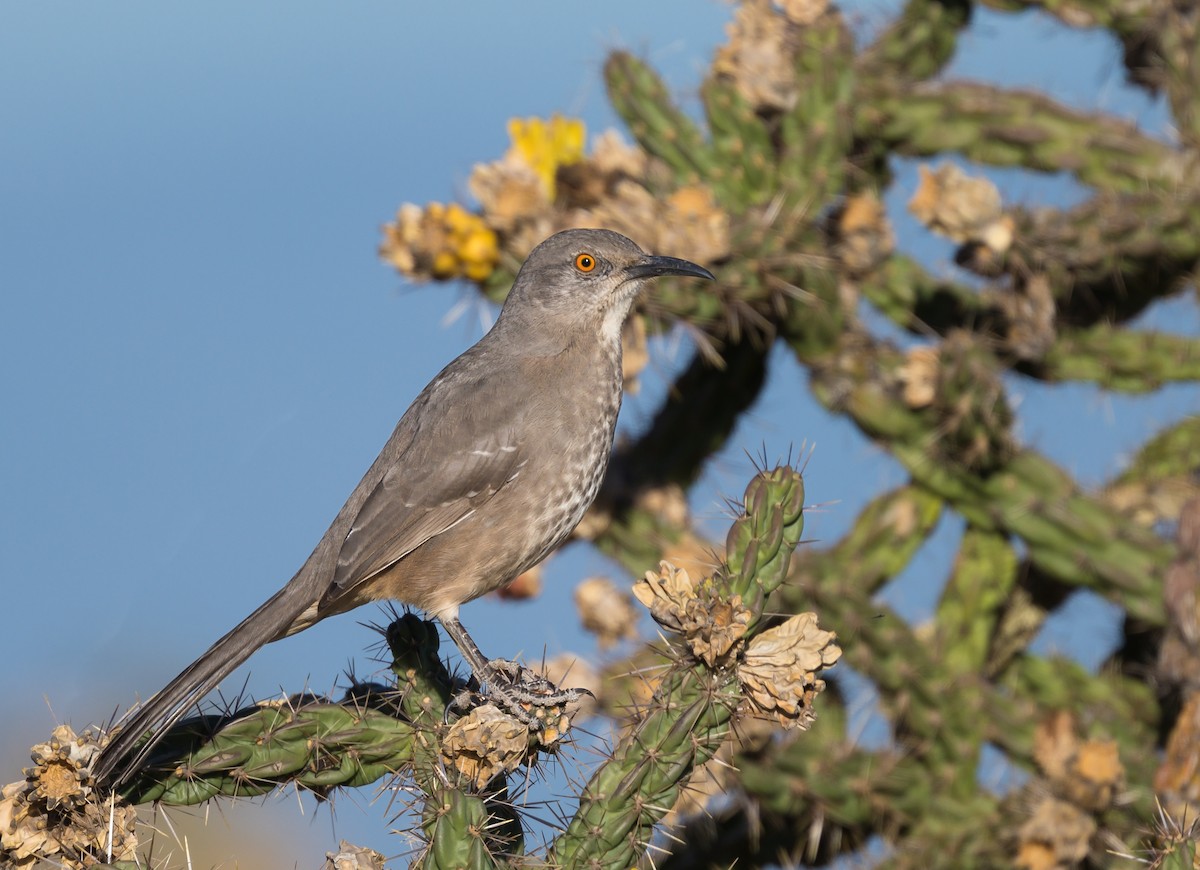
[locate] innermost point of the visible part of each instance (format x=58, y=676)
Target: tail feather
x=269, y=622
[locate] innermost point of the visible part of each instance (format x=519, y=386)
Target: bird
x=488, y=471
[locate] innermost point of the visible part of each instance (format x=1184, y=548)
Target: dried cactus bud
x=524, y=586
x=1088, y=773
x=779, y=669
x=961, y=208
x=666, y=592
x=713, y=624
x=56, y=814
x=485, y=743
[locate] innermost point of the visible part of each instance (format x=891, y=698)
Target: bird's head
x=587, y=279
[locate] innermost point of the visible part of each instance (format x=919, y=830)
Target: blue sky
x=200, y=352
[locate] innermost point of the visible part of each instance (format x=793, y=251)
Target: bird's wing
x=451, y=466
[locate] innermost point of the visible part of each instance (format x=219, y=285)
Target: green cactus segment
x=455, y=824
x=1126, y=20
x=908, y=295
x=641, y=99
x=973, y=415
x=462, y=829
x=742, y=145
x=856, y=788
x=316, y=746
x=883, y=540
x=1180, y=851
x=760, y=542
x=1014, y=128
x=1124, y=360
x=1171, y=454
x=913, y=682
x=981, y=583
x=687, y=721
x=919, y=43
x=425, y=688
x=816, y=133
x=1109, y=258
x=689, y=716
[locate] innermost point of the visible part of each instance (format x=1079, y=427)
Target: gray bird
x=486, y=473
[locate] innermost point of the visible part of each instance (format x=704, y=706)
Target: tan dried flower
x=758, y=56
x=962, y=208
x=666, y=592
x=1057, y=834
x=351, y=857
x=485, y=743
x=780, y=666
x=524, y=586
x=606, y=611
x=613, y=156
x=919, y=375
x=56, y=813
x=695, y=224
x=711, y=625
x=864, y=233
x=1089, y=773
x=509, y=191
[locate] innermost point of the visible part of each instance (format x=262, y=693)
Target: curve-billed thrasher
x=488, y=471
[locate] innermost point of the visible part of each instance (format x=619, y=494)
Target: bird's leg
x=519, y=691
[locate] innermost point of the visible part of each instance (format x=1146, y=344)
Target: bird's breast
x=566, y=470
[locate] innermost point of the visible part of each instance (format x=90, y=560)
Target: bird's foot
x=524, y=694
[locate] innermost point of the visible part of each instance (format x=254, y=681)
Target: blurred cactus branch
x=1127, y=20
x=1120, y=359
x=919, y=43
x=1016, y=128
x=1069, y=535
x=1110, y=257
x=1159, y=39
x=1162, y=475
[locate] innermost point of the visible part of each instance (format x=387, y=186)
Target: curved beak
x=654, y=267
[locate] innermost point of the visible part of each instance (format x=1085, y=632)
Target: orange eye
x=585, y=262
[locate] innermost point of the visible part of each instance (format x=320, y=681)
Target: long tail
x=157, y=715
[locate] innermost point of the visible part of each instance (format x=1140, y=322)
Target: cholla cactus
x=779, y=189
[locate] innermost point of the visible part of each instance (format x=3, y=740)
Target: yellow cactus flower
x=546, y=145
